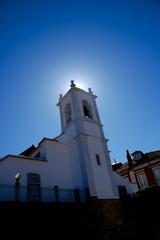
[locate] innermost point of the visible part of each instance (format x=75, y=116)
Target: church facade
x=76, y=159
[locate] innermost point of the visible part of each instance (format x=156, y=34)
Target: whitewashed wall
x=120, y=181
x=11, y=165
x=102, y=179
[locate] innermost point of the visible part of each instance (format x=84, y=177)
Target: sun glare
x=62, y=85
x=81, y=84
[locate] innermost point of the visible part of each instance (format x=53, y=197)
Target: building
x=77, y=159
x=141, y=169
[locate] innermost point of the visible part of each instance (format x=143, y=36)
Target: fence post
x=87, y=194
x=17, y=187
x=56, y=191
x=76, y=195
x=17, y=191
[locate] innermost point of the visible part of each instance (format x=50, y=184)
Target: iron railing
x=21, y=193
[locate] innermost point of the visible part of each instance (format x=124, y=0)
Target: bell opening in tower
x=87, y=110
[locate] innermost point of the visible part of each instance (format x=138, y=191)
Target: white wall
x=58, y=167
x=91, y=128
x=11, y=165
x=102, y=179
x=68, y=135
x=120, y=181
x=76, y=163
x=64, y=164
x=62, y=167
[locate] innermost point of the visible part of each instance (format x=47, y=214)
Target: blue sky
x=111, y=46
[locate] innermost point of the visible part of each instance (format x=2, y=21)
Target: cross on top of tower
x=72, y=83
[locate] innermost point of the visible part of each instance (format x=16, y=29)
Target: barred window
x=33, y=178
x=34, y=191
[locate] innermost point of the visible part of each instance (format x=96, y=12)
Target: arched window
x=87, y=110
x=68, y=113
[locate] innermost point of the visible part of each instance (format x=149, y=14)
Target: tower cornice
x=73, y=89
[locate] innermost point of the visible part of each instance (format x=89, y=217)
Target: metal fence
x=21, y=193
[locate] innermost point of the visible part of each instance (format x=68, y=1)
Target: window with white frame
x=156, y=171
x=142, y=180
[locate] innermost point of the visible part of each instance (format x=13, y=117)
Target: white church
x=69, y=166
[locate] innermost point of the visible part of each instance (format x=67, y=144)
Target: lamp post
x=17, y=187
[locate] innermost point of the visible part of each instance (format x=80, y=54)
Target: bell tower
x=80, y=122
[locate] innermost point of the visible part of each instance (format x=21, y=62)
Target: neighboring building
x=142, y=170
x=76, y=159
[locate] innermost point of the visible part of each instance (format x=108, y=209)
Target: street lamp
x=17, y=177
x=17, y=186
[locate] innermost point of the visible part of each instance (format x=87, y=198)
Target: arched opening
x=68, y=113
x=87, y=110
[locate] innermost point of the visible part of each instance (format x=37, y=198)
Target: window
x=87, y=110
x=142, y=180
x=33, y=187
x=98, y=159
x=68, y=113
x=33, y=178
x=156, y=171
